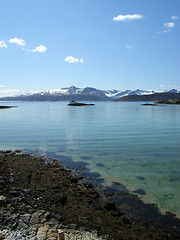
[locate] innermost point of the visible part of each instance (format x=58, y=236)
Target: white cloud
x=1, y=86
x=129, y=46
x=18, y=41
x=71, y=59
x=164, y=31
x=169, y=24
x=40, y=48
x=81, y=60
x=174, y=17
x=3, y=44
x=127, y=18
x=9, y=92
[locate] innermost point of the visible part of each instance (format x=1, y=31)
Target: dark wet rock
x=74, y=179
x=86, y=157
x=14, y=225
x=140, y=178
x=63, y=200
x=140, y=191
x=126, y=220
x=117, y=187
x=14, y=193
x=110, y=206
x=117, y=183
x=117, y=213
x=88, y=185
x=81, y=164
x=100, y=165
x=3, y=200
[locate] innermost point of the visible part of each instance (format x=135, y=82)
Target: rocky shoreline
x=38, y=198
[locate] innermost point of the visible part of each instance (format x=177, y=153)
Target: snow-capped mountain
x=172, y=90
x=71, y=93
x=61, y=91
x=115, y=94
x=112, y=94
x=74, y=93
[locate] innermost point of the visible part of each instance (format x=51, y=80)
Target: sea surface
x=125, y=142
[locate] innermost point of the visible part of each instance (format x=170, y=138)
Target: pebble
x=44, y=232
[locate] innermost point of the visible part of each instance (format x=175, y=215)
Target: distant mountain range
x=84, y=94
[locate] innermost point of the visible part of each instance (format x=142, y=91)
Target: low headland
x=170, y=101
x=4, y=107
x=156, y=97
x=39, y=196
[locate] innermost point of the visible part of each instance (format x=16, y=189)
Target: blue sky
x=106, y=44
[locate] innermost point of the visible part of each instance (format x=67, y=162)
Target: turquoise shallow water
x=124, y=142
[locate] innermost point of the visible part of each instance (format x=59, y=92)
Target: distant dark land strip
x=29, y=184
x=4, y=107
x=150, y=97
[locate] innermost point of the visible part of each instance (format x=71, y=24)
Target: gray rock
x=22, y=225
x=39, y=217
x=73, y=226
x=27, y=191
x=3, y=200
x=25, y=218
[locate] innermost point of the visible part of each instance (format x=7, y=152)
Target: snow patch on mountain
x=87, y=93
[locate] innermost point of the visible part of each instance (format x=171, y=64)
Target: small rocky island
x=74, y=103
x=149, y=104
x=4, y=107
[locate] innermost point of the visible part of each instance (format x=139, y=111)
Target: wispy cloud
x=9, y=92
x=174, y=17
x=71, y=59
x=164, y=31
x=41, y=48
x=169, y=24
x=3, y=44
x=18, y=41
x=129, y=46
x=127, y=18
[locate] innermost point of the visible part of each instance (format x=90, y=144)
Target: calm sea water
x=136, y=145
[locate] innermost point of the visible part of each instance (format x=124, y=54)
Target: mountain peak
x=87, y=93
